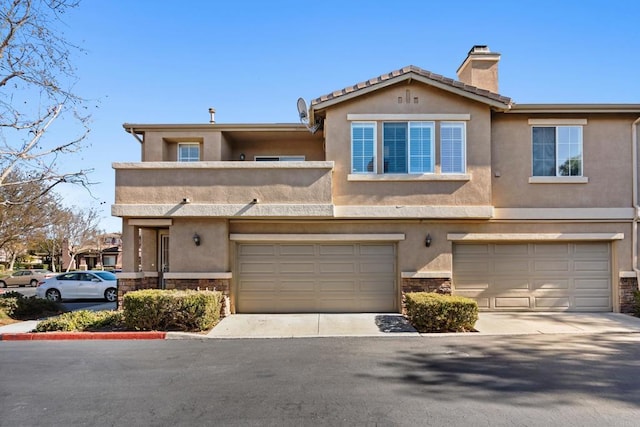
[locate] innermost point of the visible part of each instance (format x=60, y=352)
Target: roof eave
x=410, y=76
x=575, y=108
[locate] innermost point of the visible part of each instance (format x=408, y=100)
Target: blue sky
x=160, y=61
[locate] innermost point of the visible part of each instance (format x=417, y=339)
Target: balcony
x=223, y=189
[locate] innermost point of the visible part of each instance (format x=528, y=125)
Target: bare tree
x=81, y=231
x=36, y=82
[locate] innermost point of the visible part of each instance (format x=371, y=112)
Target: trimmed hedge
x=83, y=320
x=636, y=303
x=431, y=312
x=19, y=307
x=171, y=310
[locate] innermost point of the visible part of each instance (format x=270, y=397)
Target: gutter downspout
x=634, y=232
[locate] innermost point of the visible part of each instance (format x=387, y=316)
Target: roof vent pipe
x=212, y=112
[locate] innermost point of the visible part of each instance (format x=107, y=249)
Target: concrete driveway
x=389, y=324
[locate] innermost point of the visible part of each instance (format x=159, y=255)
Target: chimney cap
x=480, y=48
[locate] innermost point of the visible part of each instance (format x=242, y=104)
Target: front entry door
x=164, y=256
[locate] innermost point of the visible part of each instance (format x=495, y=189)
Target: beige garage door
x=534, y=276
x=316, y=277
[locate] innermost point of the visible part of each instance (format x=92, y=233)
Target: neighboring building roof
x=417, y=73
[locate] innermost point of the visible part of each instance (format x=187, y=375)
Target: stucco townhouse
x=407, y=181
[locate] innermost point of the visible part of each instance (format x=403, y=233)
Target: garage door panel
x=508, y=250
x=257, y=267
x=297, y=250
x=550, y=302
x=337, y=250
x=544, y=284
x=512, y=302
x=592, y=284
x=297, y=267
x=551, y=249
x=325, y=277
x=559, y=276
x=260, y=250
x=593, y=303
x=545, y=266
x=592, y=265
x=510, y=266
x=334, y=267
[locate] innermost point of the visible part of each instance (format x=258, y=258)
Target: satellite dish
x=303, y=113
x=302, y=110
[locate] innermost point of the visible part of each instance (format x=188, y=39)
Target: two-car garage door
x=573, y=276
x=316, y=277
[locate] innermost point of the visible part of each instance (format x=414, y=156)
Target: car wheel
x=111, y=294
x=53, y=295
x=2, y=284
x=34, y=283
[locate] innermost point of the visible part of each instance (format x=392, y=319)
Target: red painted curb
x=59, y=336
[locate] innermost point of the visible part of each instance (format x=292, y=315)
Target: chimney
x=212, y=112
x=480, y=68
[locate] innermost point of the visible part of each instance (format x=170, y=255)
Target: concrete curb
x=67, y=336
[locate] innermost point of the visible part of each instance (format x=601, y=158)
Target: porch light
x=242, y=157
x=196, y=239
x=427, y=241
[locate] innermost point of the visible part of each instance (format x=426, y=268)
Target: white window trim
x=464, y=147
x=375, y=148
x=432, y=147
x=559, y=179
x=182, y=144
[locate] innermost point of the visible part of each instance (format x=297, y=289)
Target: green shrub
x=431, y=312
x=82, y=320
x=19, y=307
x=154, y=309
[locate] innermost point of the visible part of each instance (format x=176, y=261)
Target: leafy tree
x=36, y=82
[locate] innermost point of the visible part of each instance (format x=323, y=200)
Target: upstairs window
x=363, y=147
x=557, y=150
x=408, y=147
x=189, y=152
x=452, y=148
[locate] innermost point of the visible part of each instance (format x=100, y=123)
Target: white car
x=79, y=284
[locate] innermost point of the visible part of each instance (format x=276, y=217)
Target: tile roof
x=455, y=84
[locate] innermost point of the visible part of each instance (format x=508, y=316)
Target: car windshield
x=105, y=275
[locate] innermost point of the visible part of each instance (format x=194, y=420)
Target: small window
x=189, y=152
x=363, y=137
x=452, y=148
x=557, y=151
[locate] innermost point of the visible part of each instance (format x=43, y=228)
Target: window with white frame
x=409, y=147
x=189, y=152
x=452, y=147
x=557, y=150
x=363, y=147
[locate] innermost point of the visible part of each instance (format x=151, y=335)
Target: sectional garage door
x=534, y=276
x=316, y=277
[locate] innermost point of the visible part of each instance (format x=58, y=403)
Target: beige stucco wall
x=213, y=253
x=606, y=164
x=476, y=191
x=222, y=183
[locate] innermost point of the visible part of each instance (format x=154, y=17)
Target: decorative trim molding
x=131, y=275
x=224, y=165
x=563, y=213
x=222, y=210
x=627, y=275
x=198, y=275
x=558, y=122
x=536, y=237
x=558, y=180
x=363, y=177
x=241, y=237
x=150, y=222
x=403, y=211
x=426, y=275
x=407, y=117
